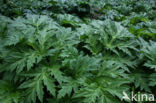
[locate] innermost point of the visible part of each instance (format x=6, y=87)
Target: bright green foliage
x=42, y=47
x=68, y=20
x=149, y=51
x=34, y=87
x=33, y=40
x=76, y=51
x=104, y=85
x=109, y=36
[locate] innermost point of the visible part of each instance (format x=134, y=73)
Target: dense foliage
x=76, y=51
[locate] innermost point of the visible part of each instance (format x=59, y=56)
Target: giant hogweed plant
x=44, y=62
